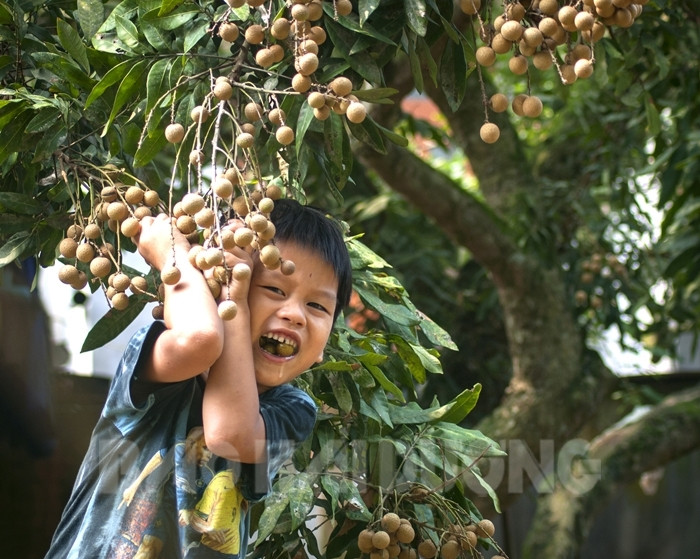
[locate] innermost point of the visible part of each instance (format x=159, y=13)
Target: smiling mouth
x=279, y=345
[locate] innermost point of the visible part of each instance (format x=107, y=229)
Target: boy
x=200, y=415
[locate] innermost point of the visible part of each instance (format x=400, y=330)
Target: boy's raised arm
x=194, y=336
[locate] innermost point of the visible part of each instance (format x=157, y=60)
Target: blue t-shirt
x=148, y=486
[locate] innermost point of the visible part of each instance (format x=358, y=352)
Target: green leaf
x=43, y=120
x=380, y=404
x=50, y=141
x=275, y=504
x=18, y=203
x=109, y=79
x=71, y=41
x=126, y=91
x=368, y=132
x=332, y=488
x=376, y=94
x=410, y=40
x=112, y=323
x=11, y=134
x=436, y=334
x=15, y=247
x=653, y=118
x=489, y=490
x=157, y=82
x=342, y=395
x=168, y=6
x=416, y=16
x=306, y=117
x=301, y=498
x=195, y=33
x=90, y=16
x=385, y=383
x=365, y=9
x=128, y=33
x=156, y=36
x=352, y=502
x=459, y=407
x=453, y=73
x=151, y=145
x=396, y=313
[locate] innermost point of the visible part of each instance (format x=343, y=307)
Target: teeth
x=278, y=344
x=282, y=339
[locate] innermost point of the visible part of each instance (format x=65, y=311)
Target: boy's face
x=290, y=316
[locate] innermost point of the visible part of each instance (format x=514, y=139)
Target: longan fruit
x=485, y=56
x=301, y=83
x=258, y=222
x=134, y=195
x=85, y=252
x=277, y=116
x=117, y=210
x=199, y=114
x=264, y=58
x=566, y=15
x=192, y=202
x=470, y=7
x=227, y=310
x=241, y=272
x=391, y=522
x=364, y=541
x=240, y=205
x=266, y=205
x=405, y=533
x=223, y=90
x=170, y=275
x=232, y=175
x=120, y=281
x=92, y=231
x=343, y=7
x=300, y=12
x=512, y=30
x=196, y=157
x=205, y=218
x=249, y=128
x=68, y=274
x=380, y=539
x=498, y=102
x=485, y=528
x=277, y=53
x=517, y=104
x=316, y=100
x=500, y=44
x=323, y=113
x=243, y=236
x=287, y=267
x=280, y=29
x=583, y=68
x=427, y=549
x=542, y=60
x=341, y=86
x=533, y=37
x=450, y=550
x=130, y=227
x=253, y=111
x=229, y=31
x=356, y=112
x=223, y=187
x=306, y=64
x=108, y=194
x=100, y=266
x=317, y=34
x=518, y=64
x=174, y=133
x=255, y=34
x=270, y=256
x=532, y=106
x=245, y=140
x=75, y=230
x=151, y=198
x=68, y=247
x=139, y=284
x=158, y=312
x=186, y=224
x=489, y=132
x=284, y=135
x=549, y=7
x=408, y=553
x=120, y=301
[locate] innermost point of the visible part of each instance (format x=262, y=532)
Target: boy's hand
x=237, y=260
x=156, y=239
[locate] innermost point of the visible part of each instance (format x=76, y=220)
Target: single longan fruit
x=253, y=111
x=158, y=312
x=450, y=550
x=583, y=68
x=284, y=135
x=533, y=37
x=151, y=198
x=74, y=231
x=306, y=64
x=196, y=157
x=485, y=528
x=265, y=58
x=108, y=194
x=391, y=522
x=364, y=541
x=316, y=100
x=68, y=274
x=517, y=104
x=549, y=7
x=381, y=539
x=317, y=34
x=258, y=222
x=470, y=7
x=245, y=140
x=199, y=114
x=117, y=210
x=174, y=132
x=485, y=56
x=68, y=247
x=223, y=187
x=134, y=195
x=270, y=257
x=323, y=113
x=192, y=202
x=341, y=86
x=241, y=206
x=100, y=266
x=205, y=218
x=121, y=282
x=227, y=310
x=512, y=30
x=300, y=12
x=532, y=106
x=85, y=252
x=243, y=237
x=170, y=275
x=229, y=31
x=489, y=132
x=130, y=227
x=92, y=231
x=280, y=29
x=241, y=272
x=542, y=60
x=584, y=21
x=255, y=34
x=566, y=15
x=343, y=7
x=498, y=102
x=405, y=533
x=277, y=116
x=427, y=549
x=186, y=224
x=287, y=267
x=266, y=205
x=139, y=284
x=223, y=90
x=301, y=83
x=268, y=233
x=518, y=64
x=277, y=53
x=120, y=301
x=356, y=112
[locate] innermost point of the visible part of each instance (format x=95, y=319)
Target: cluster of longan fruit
x=394, y=537
x=543, y=34
x=597, y=268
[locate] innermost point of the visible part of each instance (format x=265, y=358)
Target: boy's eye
x=273, y=289
x=319, y=306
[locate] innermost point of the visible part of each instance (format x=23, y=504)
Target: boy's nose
x=293, y=311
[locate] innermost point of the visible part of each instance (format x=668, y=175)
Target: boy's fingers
x=237, y=288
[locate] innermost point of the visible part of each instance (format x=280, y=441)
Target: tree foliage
x=552, y=241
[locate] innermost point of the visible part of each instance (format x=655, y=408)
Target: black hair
x=311, y=228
